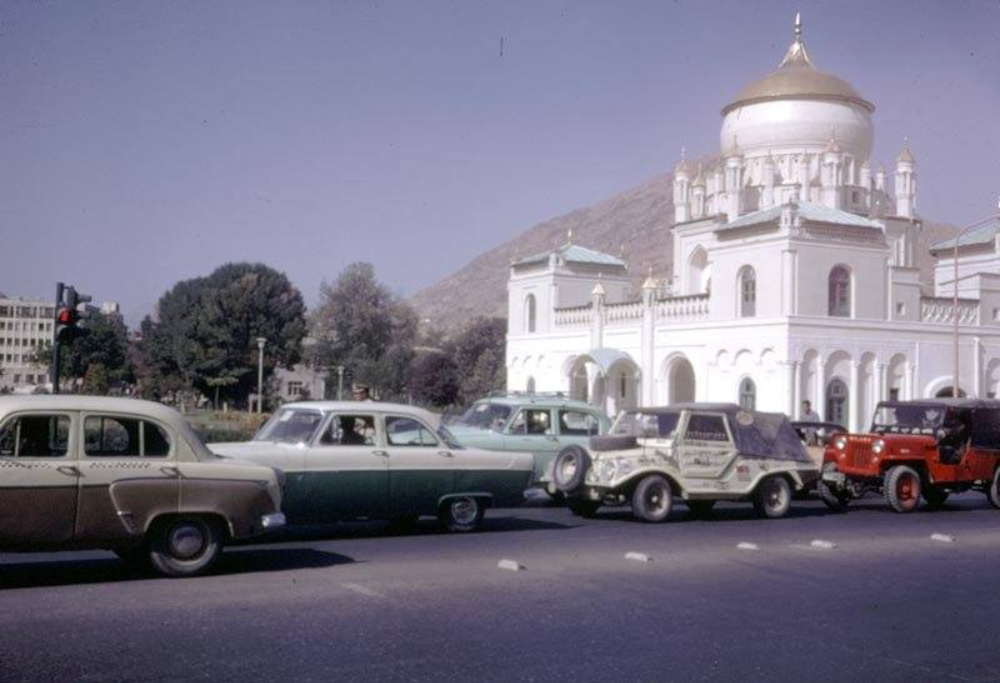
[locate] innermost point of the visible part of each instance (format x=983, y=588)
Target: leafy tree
x=106, y=345
x=479, y=351
x=435, y=379
x=208, y=326
x=96, y=380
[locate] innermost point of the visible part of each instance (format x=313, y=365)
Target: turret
x=880, y=179
x=906, y=183
x=832, y=175
x=698, y=195
x=682, y=184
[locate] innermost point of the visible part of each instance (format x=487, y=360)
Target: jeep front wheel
x=774, y=498
x=652, y=499
x=902, y=488
x=185, y=546
x=993, y=492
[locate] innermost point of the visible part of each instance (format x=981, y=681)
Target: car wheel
x=701, y=508
x=583, y=508
x=570, y=468
x=902, y=488
x=831, y=497
x=774, y=497
x=936, y=497
x=461, y=514
x=993, y=492
x=185, y=546
x=652, y=499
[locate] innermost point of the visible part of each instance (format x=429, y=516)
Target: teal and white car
x=347, y=460
x=537, y=423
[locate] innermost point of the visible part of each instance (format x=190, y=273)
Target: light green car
x=537, y=423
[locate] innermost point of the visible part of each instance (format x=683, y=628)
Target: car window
x=405, y=431
x=291, y=425
x=349, y=430
x=531, y=421
x=155, y=441
x=702, y=427
x=109, y=436
x=577, y=423
x=35, y=436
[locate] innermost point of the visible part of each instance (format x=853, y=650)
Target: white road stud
x=510, y=565
x=638, y=557
x=943, y=538
x=824, y=545
x=744, y=545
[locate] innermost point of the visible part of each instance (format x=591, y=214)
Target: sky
x=143, y=143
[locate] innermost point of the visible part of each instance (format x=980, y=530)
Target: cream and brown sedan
x=125, y=475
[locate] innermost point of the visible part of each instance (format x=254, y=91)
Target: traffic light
x=71, y=310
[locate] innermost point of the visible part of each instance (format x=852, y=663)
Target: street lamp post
x=954, y=312
x=260, y=374
x=340, y=382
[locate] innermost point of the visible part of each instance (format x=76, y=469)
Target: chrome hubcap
x=464, y=510
x=657, y=498
x=568, y=470
x=186, y=541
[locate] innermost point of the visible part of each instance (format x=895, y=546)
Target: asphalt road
x=358, y=603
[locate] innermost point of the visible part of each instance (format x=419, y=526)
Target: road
x=357, y=602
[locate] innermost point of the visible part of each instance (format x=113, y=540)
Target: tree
x=479, y=352
x=208, y=326
x=363, y=326
x=435, y=379
x=105, y=345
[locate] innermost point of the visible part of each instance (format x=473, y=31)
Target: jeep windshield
x=908, y=419
x=290, y=425
x=646, y=425
x=484, y=415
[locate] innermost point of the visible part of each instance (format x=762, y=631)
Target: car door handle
x=550, y=437
x=381, y=454
x=68, y=470
x=445, y=454
x=171, y=471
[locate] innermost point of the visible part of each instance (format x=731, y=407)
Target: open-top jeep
x=699, y=453
x=929, y=448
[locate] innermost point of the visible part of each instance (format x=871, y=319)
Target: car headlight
x=606, y=470
x=624, y=465
x=840, y=443
x=878, y=446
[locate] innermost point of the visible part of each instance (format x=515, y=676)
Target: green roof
x=574, y=253
x=808, y=211
x=984, y=234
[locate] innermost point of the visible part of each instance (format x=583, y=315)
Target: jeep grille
x=859, y=451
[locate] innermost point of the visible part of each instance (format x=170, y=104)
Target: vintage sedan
x=541, y=424
x=699, y=453
x=125, y=475
x=366, y=460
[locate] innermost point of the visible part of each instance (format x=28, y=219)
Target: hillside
x=635, y=223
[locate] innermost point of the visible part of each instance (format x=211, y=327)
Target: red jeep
x=928, y=448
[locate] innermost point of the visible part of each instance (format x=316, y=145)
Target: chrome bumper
x=273, y=521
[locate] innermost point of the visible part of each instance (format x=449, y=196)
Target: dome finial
x=798, y=27
x=797, y=55
x=569, y=236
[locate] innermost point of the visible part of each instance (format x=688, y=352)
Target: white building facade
x=25, y=327
x=794, y=278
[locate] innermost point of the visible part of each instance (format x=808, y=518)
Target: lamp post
x=260, y=374
x=340, y=382
x=954, y=313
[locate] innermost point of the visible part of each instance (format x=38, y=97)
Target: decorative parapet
x=683, y=308
x=672, y=309
x=575, y=316
x=623, y=312
x=941, y=309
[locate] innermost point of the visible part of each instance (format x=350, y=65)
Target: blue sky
x=147, y=142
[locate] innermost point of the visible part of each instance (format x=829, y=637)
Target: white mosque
x=794, y=278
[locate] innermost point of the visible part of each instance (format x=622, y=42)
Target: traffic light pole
x=56, y=350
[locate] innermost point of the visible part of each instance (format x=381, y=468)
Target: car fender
x=488, y=497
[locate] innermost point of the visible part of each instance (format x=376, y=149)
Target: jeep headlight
x=878, y=446
x=840, y=443
x=624, y=466
x=606, y=470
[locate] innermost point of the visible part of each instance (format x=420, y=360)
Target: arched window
x=748, y=292
x=748, y=394
x=530, y=313
x=836, y=402
x=840, y=292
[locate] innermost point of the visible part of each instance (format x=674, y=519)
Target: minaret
x=866, y=186
x=832, y=175
x=698, y=195
x=767, y=194
x=682, y=184
x=734, y=181
x=880, y=179
x=906, y=183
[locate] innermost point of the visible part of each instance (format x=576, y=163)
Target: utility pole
x=56, y=345
x=260, y=374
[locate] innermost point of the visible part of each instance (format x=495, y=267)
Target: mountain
x=634, y=224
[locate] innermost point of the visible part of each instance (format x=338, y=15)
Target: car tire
x=773, y=498
x=461, y=515
x=831, y=497
x=583, y=508
x=701, y=508
x=185, y=546
x=902, y=488
x=652, y=499
x=993, y=491
x=570, y=468
x=935, y=497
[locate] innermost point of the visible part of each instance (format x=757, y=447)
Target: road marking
x=363, y=590
x=638, y=557
x=744, y=545
x=510, y=565
x=823, y=545
x=944, y=538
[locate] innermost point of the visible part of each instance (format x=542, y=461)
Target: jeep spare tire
x=570, y=469
x=612, y=443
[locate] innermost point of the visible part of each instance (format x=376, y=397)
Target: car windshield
x=908, y=419
x=659, y=425
x=485, y=415
x=290, y=425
